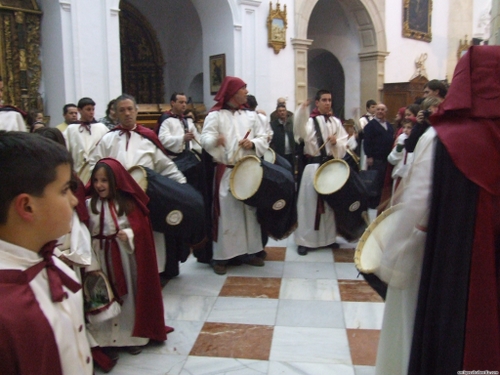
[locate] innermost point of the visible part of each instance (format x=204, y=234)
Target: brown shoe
x=254, y=261
x=219, y=269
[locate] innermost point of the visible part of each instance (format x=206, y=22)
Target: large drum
x=272, y=157
x=374, y=240
x=175, y=209
x=271, y=189
x=371, y=246
x=346, y=195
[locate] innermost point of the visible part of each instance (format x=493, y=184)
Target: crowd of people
x=77, y=234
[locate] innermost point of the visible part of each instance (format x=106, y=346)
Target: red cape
x=149, y=318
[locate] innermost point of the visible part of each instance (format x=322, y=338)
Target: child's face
x=55, y=207
x=101, y=183
x=408, y=114
x=350, y=130
x=407, y=129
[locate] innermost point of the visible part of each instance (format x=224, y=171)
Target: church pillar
x=248, y=42
x=372, y=76
x=300, y=46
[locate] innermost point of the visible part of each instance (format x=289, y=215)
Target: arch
x=326, y=72
x=142, y=59
x=367, y=18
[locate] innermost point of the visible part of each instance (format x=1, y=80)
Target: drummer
x=324, y=138
x=228, y=135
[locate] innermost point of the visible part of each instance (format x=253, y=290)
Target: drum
x=373, y=242
x=261, y=184
x=352, y=159
x=345, y=194
x=175, y=209
x=271, y=189
x=272, y=157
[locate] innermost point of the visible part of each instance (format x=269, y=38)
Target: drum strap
x=319, y=137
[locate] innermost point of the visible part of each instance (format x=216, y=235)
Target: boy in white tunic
x=42, y=330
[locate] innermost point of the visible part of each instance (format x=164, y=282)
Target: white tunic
x=12, y=121
x=238, y=230
x=65, y=318
x=171, y=135
x=116, y=331
x=402, y=262
x=140, y=151
x=81, y=143
x=304, y=129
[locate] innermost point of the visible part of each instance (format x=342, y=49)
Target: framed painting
x=417, y=19
x=217, y=72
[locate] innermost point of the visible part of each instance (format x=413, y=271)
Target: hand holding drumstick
x=332, y=139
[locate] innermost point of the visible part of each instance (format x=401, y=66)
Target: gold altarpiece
x=20, y=65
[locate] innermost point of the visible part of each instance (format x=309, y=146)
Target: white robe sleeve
x=300, y=120
x=170, y=137
x=166, y=167
x=210, y=134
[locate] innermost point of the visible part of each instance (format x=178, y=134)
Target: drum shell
x=276, y=184
x=167, y=196
x=349, y=204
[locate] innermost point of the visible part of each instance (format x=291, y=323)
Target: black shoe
x=253, y=260
x=334, y=246
x=302, y=250
x=261, y=254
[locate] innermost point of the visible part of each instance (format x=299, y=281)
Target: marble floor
x=296, y=315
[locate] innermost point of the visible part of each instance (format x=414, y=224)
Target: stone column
x=372, y=75
x=300, y=47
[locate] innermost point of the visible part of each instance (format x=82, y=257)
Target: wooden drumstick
x=199, y=144
x=324, y=144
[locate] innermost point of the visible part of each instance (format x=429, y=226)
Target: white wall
x=80, y=53
x=400, y=64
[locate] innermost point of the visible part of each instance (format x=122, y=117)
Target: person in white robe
x=335, y=141
x=81, y=139
x=177, y=132
x=229, y=134
x=402, y=259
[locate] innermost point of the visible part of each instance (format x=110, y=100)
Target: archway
x=142, y=59
x=325, y=72
x=358, y=21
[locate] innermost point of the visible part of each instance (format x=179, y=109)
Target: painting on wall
x=417, y=19
x=217, y=72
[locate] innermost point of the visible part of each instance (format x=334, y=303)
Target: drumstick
x=247, y=134
x=199, y=144
x=324, y=144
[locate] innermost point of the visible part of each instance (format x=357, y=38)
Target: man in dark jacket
x=283, y=142
x=378, y=142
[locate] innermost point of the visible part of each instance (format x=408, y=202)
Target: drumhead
x=140, y=176
x=246, y=177
x=374, y=240
x=270, y=156
x=331, y=176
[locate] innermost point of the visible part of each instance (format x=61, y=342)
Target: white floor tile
x=346, y=271
x=270, y=269
x=319, y=345
x=364, y=370
x=302, y=368
x=147, y=363
x=244, y=311
x=363, y=315
x=310, y=289
x=195, y=284
x=319, y=255
x=310, y=314
x=223, y=366
x=181, y=341
x=187, y=307
x=309, y=270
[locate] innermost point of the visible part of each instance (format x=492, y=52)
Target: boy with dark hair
x=371, y=105
x=82, y=138
x=42, y=330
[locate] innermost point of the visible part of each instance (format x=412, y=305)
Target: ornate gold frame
x=276, y=27
x=417, y=19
